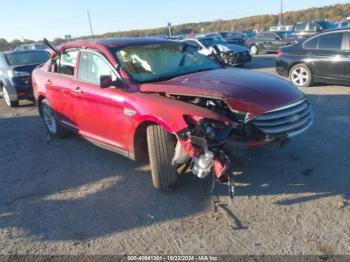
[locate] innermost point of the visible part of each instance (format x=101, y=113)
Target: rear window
x=311, y=44
x=27, y=58
x=330, y=41
x=328, y=25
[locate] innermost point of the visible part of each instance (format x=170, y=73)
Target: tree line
x=334, y=13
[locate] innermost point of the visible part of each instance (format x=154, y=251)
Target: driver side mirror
x=106, y=81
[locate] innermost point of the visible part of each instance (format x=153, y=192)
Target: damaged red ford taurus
x=162, y=100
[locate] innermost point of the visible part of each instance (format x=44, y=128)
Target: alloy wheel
x=300, y=76
x=6, y=97
x=253, y=50
x=49, y=119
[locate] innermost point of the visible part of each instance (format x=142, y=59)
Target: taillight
x=280, y=53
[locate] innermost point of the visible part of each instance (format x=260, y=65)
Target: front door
x=99, y=111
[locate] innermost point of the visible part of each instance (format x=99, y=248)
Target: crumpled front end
x=233, y=58
x=200, y=146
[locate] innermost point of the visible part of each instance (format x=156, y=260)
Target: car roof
x=115, y=42
x=335, y=30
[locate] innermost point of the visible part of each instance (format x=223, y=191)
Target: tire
x=51, y=122
x=161, y=150
x=300, y=75
x=254, y=49
x=8, y=101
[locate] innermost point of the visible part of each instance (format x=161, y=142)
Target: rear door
x=277, y=42
x=100, y=111
x=263, y=41
x=328, y=59
x=58, y=85
x=347, y=56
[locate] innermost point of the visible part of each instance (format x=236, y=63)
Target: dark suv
x=15, y=74
x=309, y=28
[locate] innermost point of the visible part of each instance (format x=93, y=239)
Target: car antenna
x=46, y=42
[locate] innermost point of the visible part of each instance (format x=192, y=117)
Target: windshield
x=328, y=25
x=207, y=42
x=27, y=58
x=249, y=33
x=161, y=62
x=234, y=35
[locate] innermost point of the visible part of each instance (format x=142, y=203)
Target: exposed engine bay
x=201, y=145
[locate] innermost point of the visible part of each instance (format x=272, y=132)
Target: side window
x=92, y=67
x=300, y=27
x=330, y=41
x=311, y=44
x=315, y=27
x=66, y=63
x=2, y=62
x=261, y=36
x=271, y=36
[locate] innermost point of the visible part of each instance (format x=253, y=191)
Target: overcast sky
x=37, y=19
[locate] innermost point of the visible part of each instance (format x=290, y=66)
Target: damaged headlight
x=223, y=48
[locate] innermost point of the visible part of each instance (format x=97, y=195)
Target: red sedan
x=164, y=100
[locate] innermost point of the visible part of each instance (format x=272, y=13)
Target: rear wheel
x=254, y=50
x=161, y=149
x=300, y=75
x=8, y=101
x=51, y=121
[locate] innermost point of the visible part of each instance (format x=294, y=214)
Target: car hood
x=237, y=48
x=24, y=68
x=241, y=89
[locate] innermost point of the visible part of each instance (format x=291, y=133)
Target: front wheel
x=254, y=50
x=51, y=121
x=8, y=101
x=161, y=149
x=300, y=75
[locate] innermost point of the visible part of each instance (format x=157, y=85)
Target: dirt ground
x=70, y=197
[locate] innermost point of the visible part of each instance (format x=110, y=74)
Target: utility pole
x=92, y=32
x=169, y=29
x=280, y=22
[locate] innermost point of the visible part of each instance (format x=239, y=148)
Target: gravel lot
x=70, y=197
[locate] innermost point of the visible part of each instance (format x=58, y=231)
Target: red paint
x=99, y=113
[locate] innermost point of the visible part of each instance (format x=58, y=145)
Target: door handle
x=77, y=90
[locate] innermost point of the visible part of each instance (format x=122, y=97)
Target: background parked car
x=15, y=74
x=321, y=58
x=221, y=51
x=235, y=38
x=248, y=33
x=36, y=46
x=270, y=42
x=344, y=24
x=309, y=28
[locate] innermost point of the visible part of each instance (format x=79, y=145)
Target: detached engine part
x=201, y=166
